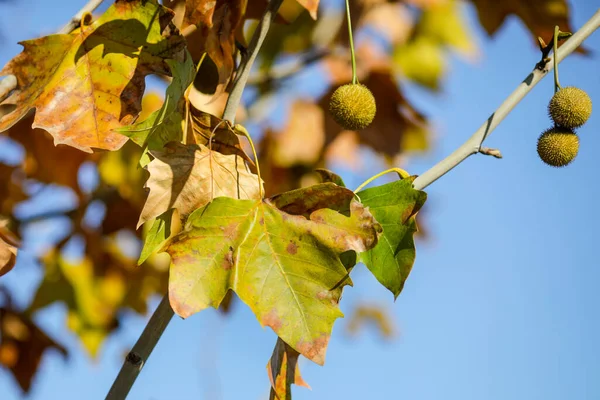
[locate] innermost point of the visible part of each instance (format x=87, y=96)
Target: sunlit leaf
x=164, y=226
x=86, y=84
x=165, y=124
x=285, y=267
x=188, y=177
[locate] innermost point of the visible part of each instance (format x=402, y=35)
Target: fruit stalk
x=352, y=56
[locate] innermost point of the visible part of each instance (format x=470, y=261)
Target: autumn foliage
x=280, y=231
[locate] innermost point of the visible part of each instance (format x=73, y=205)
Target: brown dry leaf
x=11, y=190
x=366, y=314
x=187, y=177
x=45, y=162
x=8, y=248
x=86, y=84
x=540, y=16
x=217, y=21
x=22, y=345
x=283, y=371
x=302, y=140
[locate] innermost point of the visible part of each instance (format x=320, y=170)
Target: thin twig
x=486, y=151
x=137, y=357
x=473, y=144
x=76, y=20
x=233, y=102
x=9, y=83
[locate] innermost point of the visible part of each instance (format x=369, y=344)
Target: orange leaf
x=217, y=22
x=283, y=371
x=86, y=84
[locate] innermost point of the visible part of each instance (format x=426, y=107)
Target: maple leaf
x=86, y=84
x=92, y=301
x=285, y=267
x=8, y=249
x=187, y=177
x=283, y=371
x=22, y=345
x=540, y=16
x=165, y=124
x=394, y=205
x=217, y=21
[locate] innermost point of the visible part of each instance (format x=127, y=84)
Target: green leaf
x=164, y=125
x=158, y=234
x=394, y=205
x=285, y=267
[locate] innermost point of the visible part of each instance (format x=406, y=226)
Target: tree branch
x=137, y=357
x=76, y=20
x=233, y=102
x=9, y=83
x=473, y=144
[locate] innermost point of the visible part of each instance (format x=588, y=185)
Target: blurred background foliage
x=77, y=212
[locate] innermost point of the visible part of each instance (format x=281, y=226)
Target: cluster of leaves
x=286, y=252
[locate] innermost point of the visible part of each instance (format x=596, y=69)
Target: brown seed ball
x=570, y=107
x=352, y=106
x=558, y=146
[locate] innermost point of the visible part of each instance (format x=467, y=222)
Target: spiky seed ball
x=558, y=146
x=352, y=106
x=570, y=107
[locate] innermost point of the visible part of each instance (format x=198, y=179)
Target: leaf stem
x=139, y=354
x=235, y=96
x=240, y=128
x=555, y=47
x=352, y=55
x=76, y=20
x=474, y=143
x=402, y=173
x=9, y=83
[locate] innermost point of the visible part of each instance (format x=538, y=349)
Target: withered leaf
x=22, y=345
x=187, y=177
x=217, y=21
x=283, y=371
x=86, y=84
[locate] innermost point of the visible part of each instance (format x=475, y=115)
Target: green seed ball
x=558, y=146
x=570, y=107
x=352, y=106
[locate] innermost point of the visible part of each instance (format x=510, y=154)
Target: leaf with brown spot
x=187, y=177
x=86, y=84
x=217, y=21
x=244, y=245
x=395, y=206
x=22, y=345
x=283, y=371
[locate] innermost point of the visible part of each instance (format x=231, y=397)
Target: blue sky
x=502, y=301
